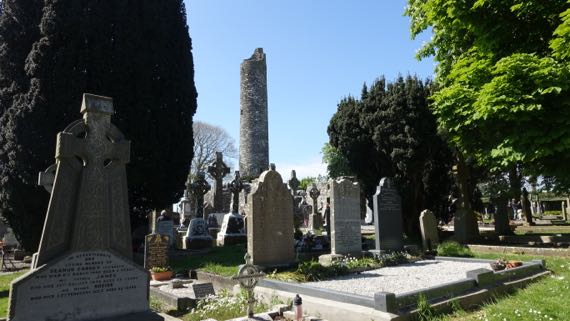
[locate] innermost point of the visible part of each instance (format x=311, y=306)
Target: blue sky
x=318, y=51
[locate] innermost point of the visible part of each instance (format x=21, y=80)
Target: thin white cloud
x=309, y=168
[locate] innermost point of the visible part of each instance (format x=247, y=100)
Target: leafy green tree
x=306, y=182
x=503, y=74
x=139, y=53
x=337, y=164
x=391, y=132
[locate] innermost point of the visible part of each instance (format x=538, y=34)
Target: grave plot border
x=475, y=282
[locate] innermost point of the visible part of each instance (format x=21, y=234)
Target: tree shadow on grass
x=4, y=294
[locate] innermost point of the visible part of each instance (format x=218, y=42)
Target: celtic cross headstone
x=218, y=170
x=83, y=269
x=233, y=226
x=315, y=221
x=294, y=182
x=198, y=188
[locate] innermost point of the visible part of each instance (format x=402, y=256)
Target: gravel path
x=401, y=278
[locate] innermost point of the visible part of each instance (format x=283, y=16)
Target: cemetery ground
x=543, y=300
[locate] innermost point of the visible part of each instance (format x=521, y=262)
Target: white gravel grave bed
x=402, y=278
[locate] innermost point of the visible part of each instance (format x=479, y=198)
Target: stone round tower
x=253, y=137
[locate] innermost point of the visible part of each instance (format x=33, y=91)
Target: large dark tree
x=390, y=132
x=139, y=53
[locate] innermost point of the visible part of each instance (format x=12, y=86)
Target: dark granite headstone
x=202, y=290
x=156, y=251
x=388, y=217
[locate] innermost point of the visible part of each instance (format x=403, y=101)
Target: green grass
x=452, y=248
x=221, y=260
x=5, y=281
x=544, y=300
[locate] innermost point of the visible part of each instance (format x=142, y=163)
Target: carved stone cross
x=218, y=170
x=314, y=193
x=198, y=188
x=235, y=187
x=88, y=208
x=294, y=182
x=248, y=276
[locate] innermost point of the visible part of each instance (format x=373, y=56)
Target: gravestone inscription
x=202, y=290
x=156, y=251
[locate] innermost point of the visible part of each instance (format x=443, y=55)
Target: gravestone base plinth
x=198, y=242
x=231, y=239
x=143, y=316
x=213, y=231
x=377, y=253
x=315, y=222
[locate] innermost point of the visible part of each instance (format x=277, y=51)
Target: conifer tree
x=390, y=132
x=138, y=53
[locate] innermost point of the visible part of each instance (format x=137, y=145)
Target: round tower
x=254, y=138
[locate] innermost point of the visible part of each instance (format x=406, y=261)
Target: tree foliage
x=139, y=53
x=337, y=164
x=209, y=139
x=503, y=71
x=390, y=132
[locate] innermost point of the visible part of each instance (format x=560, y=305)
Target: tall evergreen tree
x=139, y=53
x=391, y=132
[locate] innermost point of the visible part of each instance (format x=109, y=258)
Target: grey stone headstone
x=346, y=237
x=84, y=268
x=388, y=217
x=428, y=227
x=270, y=221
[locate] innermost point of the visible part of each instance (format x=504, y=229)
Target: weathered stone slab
x=156, y=251
x=270, y=221
x=80, y=286
x=388, y=217
x=428, y=227
x=346, y=237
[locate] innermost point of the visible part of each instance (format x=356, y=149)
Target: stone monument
x=83, y=269
x=197, y=236
x=233, y=226
x=269, y=215
x=294, y=183
x=525, y=203
x=315, y=221
x=253, y=137
x=248, y=276
x=388, y=217
x=185, y=209
x=346, y=238
x=428, y=227
x=501, y=216
x=156, y=251
x=165, y=226
x=218, y=170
